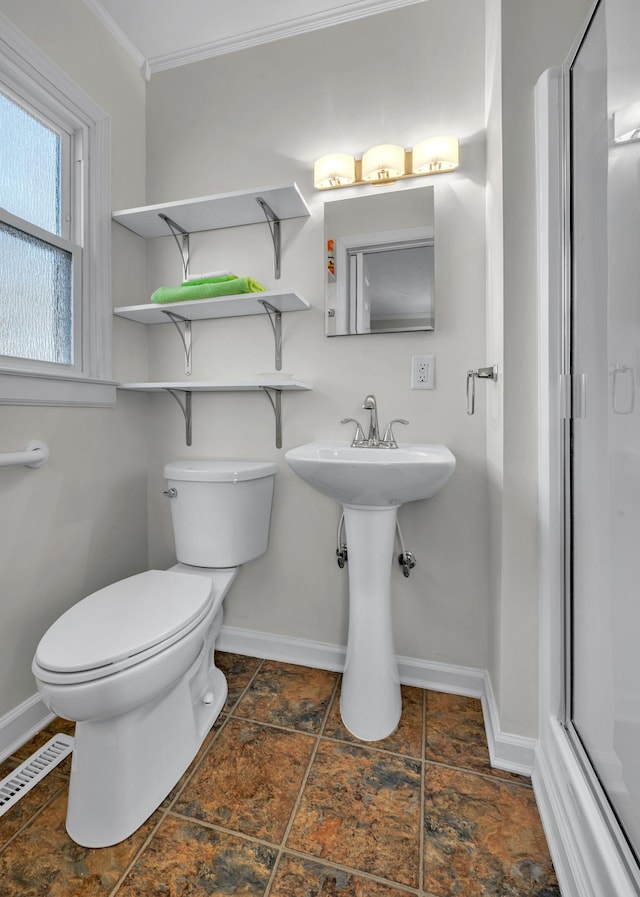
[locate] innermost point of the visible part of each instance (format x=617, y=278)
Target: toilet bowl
x=133, y=664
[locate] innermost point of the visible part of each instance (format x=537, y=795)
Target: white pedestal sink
x=371, y=484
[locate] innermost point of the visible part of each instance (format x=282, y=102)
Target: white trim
x=584, y=854
x=28, y=388
x=123, y=39
x=509, y=752
x=586, y=857
x=25, y=68
x=285, y=649
x=21, y=724
x=251, y=38
x=514, y=753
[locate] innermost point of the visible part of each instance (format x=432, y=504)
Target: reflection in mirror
x=380, y=263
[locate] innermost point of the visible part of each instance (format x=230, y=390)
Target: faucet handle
x=388, y=439
x=358, y=436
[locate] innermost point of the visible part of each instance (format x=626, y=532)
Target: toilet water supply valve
x=406, y=559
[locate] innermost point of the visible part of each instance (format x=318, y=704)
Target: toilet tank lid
x=124, y=619
x=210, y=471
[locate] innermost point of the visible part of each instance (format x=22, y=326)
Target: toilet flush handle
x=170, y=493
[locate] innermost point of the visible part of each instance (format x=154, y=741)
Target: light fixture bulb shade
x=435, y=154
x=334, y=170
x=383, y=163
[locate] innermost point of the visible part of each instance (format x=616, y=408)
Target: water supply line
x=406, y=559
x=341, y=549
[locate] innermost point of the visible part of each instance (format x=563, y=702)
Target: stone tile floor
x=282, y=801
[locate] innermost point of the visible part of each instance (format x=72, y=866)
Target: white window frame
x=28, y=74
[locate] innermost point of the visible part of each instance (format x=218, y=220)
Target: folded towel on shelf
x=207, y=290
x=210, y=274
x=218, y=278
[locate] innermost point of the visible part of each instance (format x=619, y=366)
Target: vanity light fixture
x=383, y=163
x=386, y=163
x=334, y=170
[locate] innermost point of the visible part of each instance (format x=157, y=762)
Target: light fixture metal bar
x=181, y=236
x=276, y=326
x=185, y=407
x=274, y=227
x=276, y=404
x=185, y=336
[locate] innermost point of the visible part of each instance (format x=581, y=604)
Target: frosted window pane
x=29, y=167
x=36, y=298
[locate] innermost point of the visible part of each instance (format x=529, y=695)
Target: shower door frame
x=589, y=850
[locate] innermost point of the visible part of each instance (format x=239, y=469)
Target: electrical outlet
x=422, y=371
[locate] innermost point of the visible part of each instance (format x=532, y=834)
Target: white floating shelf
x=223, y=307
x=214, y=212
x=285, y=385
x=272, y=387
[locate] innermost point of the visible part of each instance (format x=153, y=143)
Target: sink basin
x=373, y=477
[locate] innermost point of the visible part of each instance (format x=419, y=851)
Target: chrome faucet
x=373, y=437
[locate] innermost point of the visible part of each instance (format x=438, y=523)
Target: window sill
x=21, y=388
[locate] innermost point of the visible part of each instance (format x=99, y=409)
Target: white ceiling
x=161, y=34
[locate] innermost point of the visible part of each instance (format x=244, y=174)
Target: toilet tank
x=220, y=511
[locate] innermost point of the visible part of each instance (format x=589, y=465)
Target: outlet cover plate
x=422, y=371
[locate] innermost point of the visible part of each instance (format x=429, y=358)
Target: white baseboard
x=21, y=724
x=509, y=752
x=514, y=753
x=304, y=652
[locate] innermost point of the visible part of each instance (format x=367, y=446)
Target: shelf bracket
x=181, y=237
x=276, y=326
x=276, y=404
x=176, y=320
x=185, y=407
x=274, y=226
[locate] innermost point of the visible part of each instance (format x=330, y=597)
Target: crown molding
x=337, y=15
x=116, y=32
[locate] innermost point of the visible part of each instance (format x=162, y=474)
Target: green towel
x=207, y=290
x=220, y=278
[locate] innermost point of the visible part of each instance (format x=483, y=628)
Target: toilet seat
x=122, y=625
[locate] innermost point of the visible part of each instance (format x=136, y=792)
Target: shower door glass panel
x=604, y=459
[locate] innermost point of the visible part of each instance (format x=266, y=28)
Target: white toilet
x=133, y=663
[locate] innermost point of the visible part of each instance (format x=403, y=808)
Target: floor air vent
x=29, y=773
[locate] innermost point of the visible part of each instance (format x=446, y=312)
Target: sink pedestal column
x=370, y=703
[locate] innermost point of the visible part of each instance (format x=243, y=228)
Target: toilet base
x=123, y=768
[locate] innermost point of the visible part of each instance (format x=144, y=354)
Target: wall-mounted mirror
x=380, y=263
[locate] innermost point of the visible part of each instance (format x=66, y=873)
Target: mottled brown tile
x=407, y=738
x=483, y=838
x=361, y=808
x=187, y=858
x=44, y=862
x=298, y=877
x=239, y=670
x=8, y=766
x=28, y=805
x=455, y=734
x=249, y=780
x=285, y=694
